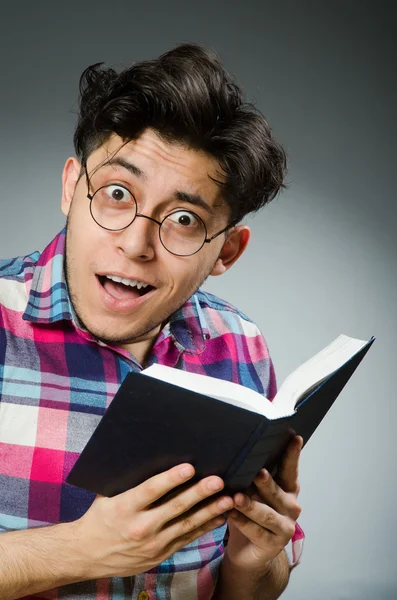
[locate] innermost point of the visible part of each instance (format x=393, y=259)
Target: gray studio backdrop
x=323, y=257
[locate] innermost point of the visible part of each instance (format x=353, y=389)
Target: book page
x=307, y=376
x=315, y=370
x=225, y=391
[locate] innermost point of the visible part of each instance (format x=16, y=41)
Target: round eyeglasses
x=182, y=232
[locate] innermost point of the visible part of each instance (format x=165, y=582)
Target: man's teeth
x=131, y=282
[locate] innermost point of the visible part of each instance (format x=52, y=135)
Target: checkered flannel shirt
x=56, y=382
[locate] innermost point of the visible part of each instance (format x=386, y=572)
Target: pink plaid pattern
x=55, y=385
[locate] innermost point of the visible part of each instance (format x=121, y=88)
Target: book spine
x=261, y=449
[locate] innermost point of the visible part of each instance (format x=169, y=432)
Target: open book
x=164, y=416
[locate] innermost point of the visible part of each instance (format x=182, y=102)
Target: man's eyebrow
x=194, y=199
x=121, y=162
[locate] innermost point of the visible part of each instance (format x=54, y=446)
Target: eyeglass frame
x=159, y=223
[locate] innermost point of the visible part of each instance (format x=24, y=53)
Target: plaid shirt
x=56, y=382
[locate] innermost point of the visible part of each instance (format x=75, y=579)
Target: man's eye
x=118, y=193
x=184, y=218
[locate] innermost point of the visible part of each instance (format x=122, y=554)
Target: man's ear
x=70, y=177
x=232, y=249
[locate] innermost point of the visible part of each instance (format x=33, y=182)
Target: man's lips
x=122, y=298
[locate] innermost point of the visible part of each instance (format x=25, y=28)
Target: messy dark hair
x=185, y=96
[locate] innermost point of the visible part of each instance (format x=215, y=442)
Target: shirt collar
x=49, y=302
x=188, y=326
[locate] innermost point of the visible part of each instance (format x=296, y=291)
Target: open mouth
x=124, y=290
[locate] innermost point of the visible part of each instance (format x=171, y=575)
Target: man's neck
x=141, y=350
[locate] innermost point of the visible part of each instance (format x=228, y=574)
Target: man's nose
x=139, y=239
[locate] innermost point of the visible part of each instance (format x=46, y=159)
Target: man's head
x=170, y=136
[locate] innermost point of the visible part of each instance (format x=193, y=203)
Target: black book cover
x=151, y=426
x=272, y=437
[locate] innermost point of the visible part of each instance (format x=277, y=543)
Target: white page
x=306, y=376
x=226, y=391
x=316, y=369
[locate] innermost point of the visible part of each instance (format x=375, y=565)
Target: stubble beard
x=127, y=338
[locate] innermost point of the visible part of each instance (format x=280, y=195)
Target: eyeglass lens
x=181, y=232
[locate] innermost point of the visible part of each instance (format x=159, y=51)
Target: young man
x=170, y=161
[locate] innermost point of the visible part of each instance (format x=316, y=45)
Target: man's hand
x=262, y=525
x=134, y=531
x=120, y=536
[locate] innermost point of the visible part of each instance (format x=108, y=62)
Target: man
x=170, y=161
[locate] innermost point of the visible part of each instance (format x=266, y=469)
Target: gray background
x=323, y=255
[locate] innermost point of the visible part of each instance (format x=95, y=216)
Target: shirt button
x=143, y=595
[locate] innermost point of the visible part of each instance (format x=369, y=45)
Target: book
x=163, y=416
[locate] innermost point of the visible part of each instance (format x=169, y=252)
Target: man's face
x=160, y=175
